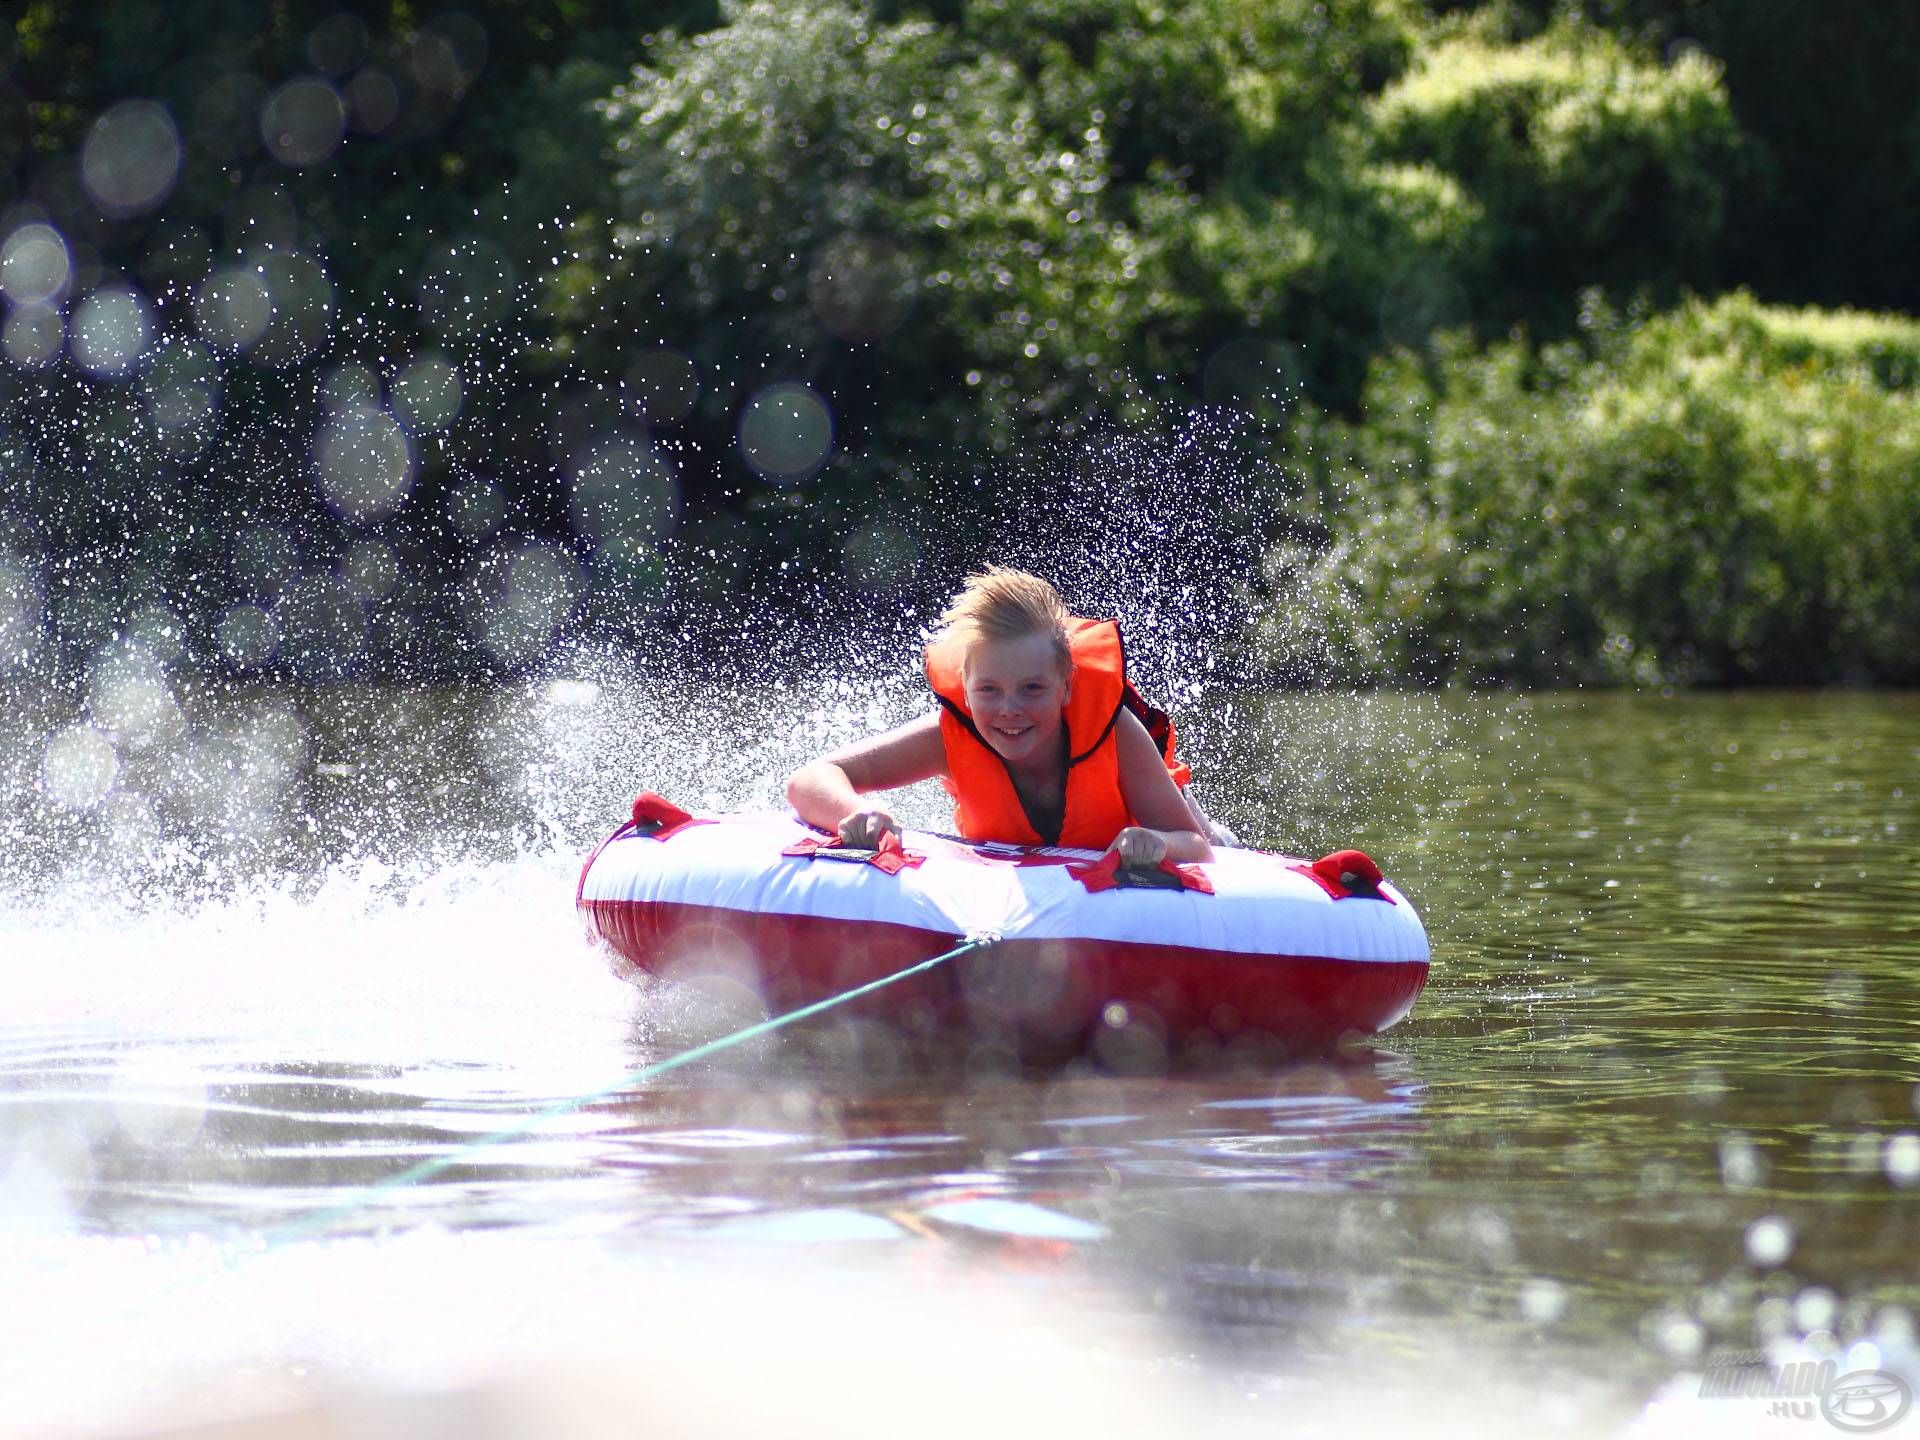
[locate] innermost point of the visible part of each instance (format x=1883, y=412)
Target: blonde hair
x=999, y=603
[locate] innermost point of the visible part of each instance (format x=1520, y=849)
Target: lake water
x=1660, y=1100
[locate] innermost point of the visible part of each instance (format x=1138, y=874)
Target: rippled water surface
x=1661, y=1097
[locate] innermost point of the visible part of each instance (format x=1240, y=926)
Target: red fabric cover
x=652, y=809
x=1349, y=866
x=889, y=855
x=654, y=816
x=893, y=857
x=1345, y=875
x=1104, y=874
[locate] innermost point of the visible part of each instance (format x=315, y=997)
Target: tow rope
x=316, y=1219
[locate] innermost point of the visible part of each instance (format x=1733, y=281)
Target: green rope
x=315, y=1219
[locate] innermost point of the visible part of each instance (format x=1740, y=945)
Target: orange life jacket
x=986, y=806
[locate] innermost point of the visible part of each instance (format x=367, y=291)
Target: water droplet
x=34, y=264
x=1769, y=1241
x=303, y=121
x=111, y=329
x=786, y=433
x=131, y=158
x=78, y=768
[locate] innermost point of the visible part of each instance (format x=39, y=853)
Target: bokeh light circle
x=446, y=55
x=303, y=121
x=158, y=633
x=364, y=464
x=880, y=556
x=786, y=433
x=111, y=330
x=248, y=637
x=131, y=158
x=182, y=387
x=516, y=615
x=350, y=385
x=427, y=394
x=33, y=335
x=34, y=264
x=624, y=491
x=861, y=287
x=373, y=101
x=129, y=695
x=1252, y=374
x=337, y=43
x=232, y=308
x=78, y=768
x=1769, y=1241
x=663, y=385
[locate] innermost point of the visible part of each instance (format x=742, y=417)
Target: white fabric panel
x=1260, y=906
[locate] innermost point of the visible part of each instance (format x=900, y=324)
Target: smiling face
x=1016, y=690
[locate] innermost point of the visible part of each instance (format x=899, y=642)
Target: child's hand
x=863, y=828
x=1138, y=848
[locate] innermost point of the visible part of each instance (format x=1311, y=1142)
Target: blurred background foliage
x=1718, y=493
x=454, y=331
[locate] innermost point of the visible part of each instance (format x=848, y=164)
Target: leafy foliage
x=945, y=234
x=1826, y=207
x=1718, y=494
x=1592, y=165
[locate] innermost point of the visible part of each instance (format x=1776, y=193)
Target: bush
x=1720, y=494
x=978, y=236
x=800, y=185
x=1593, y=165
x=1828, y=212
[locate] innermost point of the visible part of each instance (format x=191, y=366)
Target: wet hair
x=1003, y=604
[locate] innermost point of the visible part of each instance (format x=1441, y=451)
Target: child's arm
x=1167, y=828
x=827, y=792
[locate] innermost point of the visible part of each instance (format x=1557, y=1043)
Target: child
x=1040, y=738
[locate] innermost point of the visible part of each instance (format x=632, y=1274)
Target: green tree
x=1720, y=494
x=1592, y=165
x=1827, y=208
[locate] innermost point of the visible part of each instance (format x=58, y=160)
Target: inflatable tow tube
x=1250, y=949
